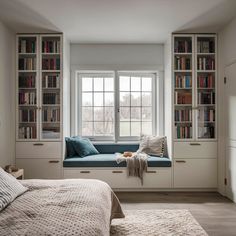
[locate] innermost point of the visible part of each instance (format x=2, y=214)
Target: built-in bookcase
x=194, y=75
x=39, y=87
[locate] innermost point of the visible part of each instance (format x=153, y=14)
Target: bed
x=61, y=207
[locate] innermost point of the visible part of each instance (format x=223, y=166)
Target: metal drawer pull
x=195, y=144
x=85, y=171
x=151, y=171
x=117, y=171
x=180, y=161
x=38, y=144
x=53, y=161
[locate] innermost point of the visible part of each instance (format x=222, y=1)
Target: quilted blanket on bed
x=61, y=207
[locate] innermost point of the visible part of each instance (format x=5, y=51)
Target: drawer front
x=40, y=168
x=195, y=173
x=38, y=150
x=157, y=178
x=115, y=178
x=195, y=150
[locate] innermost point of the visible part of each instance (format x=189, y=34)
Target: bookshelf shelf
x=194, y=75
x=39, y=75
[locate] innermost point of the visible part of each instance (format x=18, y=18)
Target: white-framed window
x=117, y=106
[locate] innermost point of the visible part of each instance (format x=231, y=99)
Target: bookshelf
x=39, y=87
x=194, y=87
x=194, y=99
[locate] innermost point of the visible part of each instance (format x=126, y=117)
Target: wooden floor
x=215, y=213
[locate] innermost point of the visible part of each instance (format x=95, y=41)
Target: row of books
x=183, y=46
x=183, y=115
x=183, y=98
x=183, y=81
x=206, y=98
x=183, y=132
x=27, y=98
x=51, y=115
x=206, y=132
x=27, y=81
x=27, y=115
x=206, y=115
x=51, y=46
x=51, y=98
x=51, y=81
x=206, y=63
x=51, y=64
x=27, y=132
x=27, y=46
x=182, y=63
x=27, y=63
x=206, y=81
x=205, y=46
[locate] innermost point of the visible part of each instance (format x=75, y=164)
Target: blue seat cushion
x=109, y=160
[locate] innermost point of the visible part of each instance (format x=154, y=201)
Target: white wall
x=7, y=96
x=113, y=57
x=168, y=94
x=227, y=56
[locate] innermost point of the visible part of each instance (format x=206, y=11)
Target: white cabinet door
x=230, y=125
x=40, y=168
x=195, y=173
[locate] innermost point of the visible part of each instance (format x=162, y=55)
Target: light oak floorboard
x=215, y=213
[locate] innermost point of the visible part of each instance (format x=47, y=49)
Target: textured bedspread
x=61, y=207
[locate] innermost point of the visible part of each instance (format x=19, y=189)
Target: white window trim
x=158, y=101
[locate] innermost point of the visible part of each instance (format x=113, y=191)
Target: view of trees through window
x=135, y=104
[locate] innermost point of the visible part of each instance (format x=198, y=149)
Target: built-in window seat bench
x=103, y=166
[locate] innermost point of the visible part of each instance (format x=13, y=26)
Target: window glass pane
x=98, y=129
x=87, y=99
x=124, y=99
x=147, y=113
x=146, y=128
x=109, y=84
x=87, y=128
x=87, y=114
x=135, y=128
x=135, y=84
x=135, y=113
x=124, y=113
x=124, y=83
x=135, y=99
x=109, y=114
x=87, y=84
x=98, y=114
x=98, y=99
x=146, y=84
x=146, y=99
x=98, y=84
x=124, y=128
x=108, y=128
x=109, y=99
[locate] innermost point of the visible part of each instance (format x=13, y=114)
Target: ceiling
x=116, y=21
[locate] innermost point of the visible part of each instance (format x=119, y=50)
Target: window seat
x=109, y=160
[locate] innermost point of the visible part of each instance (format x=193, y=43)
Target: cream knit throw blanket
x=136, y=164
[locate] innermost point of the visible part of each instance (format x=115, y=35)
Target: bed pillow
x=10, y=188
x=84, y=147
x=152, y=145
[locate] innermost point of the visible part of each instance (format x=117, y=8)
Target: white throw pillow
x=10, y=188
x=152, y=145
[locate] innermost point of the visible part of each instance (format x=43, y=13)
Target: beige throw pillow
x=152, y=145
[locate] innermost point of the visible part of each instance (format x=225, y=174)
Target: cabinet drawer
x=38, y=150
x=40, y=168
x=195, y=173
x=195, y=150
x=157, y=178
x=115, y=178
